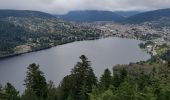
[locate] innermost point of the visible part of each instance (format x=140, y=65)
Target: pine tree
x=0, y=87
x=123, y=74
x=52, y=91
x=66, y=88
x=35, y=81
x=11, y=92
x=106, y=79
x=77, y=85
x=119, y=76
x=29, y=95
x=116, y=80
x=84, y=78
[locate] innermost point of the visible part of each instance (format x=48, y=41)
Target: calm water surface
x=58, y=61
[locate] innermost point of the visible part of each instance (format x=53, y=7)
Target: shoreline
x=14, y=55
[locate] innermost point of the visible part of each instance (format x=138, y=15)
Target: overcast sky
x=63, y=6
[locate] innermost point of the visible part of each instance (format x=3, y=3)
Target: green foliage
x=119, y=77
x=11, y=92
x=66, y=89
x=77, y=85
x=133, y=83
x=35, y=81
x=166, y=55
x=97, y=94
x=0, y=87
x=52, y=91
x=39, y=33
x=164, y=93
x=106, y=79
x=10, y=36
x=29, y=95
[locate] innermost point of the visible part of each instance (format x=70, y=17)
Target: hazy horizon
x=64, y=6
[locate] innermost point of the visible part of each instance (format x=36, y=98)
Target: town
x=156, y=39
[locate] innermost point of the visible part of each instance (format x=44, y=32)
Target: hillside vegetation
x=24, y=13
x=25, y=31
x=156, y=16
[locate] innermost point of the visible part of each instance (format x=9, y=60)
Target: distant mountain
x=90, y=16
x=127, y=13
x=150, y=16
x=24, y=13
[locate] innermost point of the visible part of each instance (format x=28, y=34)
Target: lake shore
x=36, y=50
x=59, y=60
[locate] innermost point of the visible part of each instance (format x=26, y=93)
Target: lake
x=58, y=61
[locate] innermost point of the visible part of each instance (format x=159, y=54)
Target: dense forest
x=149, y=80
x=10, y=37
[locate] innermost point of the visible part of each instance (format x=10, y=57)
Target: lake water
x=58, y=61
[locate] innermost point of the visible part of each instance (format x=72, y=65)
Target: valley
x=41, y=31
x=133, y=50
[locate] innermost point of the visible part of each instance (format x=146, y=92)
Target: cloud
x=64, y=6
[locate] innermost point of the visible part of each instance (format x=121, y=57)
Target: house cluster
x=151, y=49
x=126, y=30
x=158, y=36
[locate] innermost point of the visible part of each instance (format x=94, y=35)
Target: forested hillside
x=24, y=13
x=150, y=16
x=10, y=37
x=25, y=31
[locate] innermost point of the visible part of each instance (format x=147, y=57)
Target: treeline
x=10, y=36
x=140, y=81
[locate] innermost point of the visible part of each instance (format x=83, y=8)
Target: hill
x=91, y=16
x=24, y=13
x=150, y=16
x=127, y=13
x=26, y=31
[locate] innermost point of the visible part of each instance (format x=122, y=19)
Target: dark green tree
x=52, y=91
x=164, y=93
x=29, y=95
x=106, y=79
x=84, y=78
x=11, y=92
x=0, y=87
x=66, y=88
x=35, y=81
x=116, y=80
x=123, y=74
x=77, y=85
x=119, y=76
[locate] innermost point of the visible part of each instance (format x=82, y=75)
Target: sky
x=64, y=6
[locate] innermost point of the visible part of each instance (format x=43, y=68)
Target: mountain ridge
x=149, y=16
x=91, y=16
x=23, y=13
